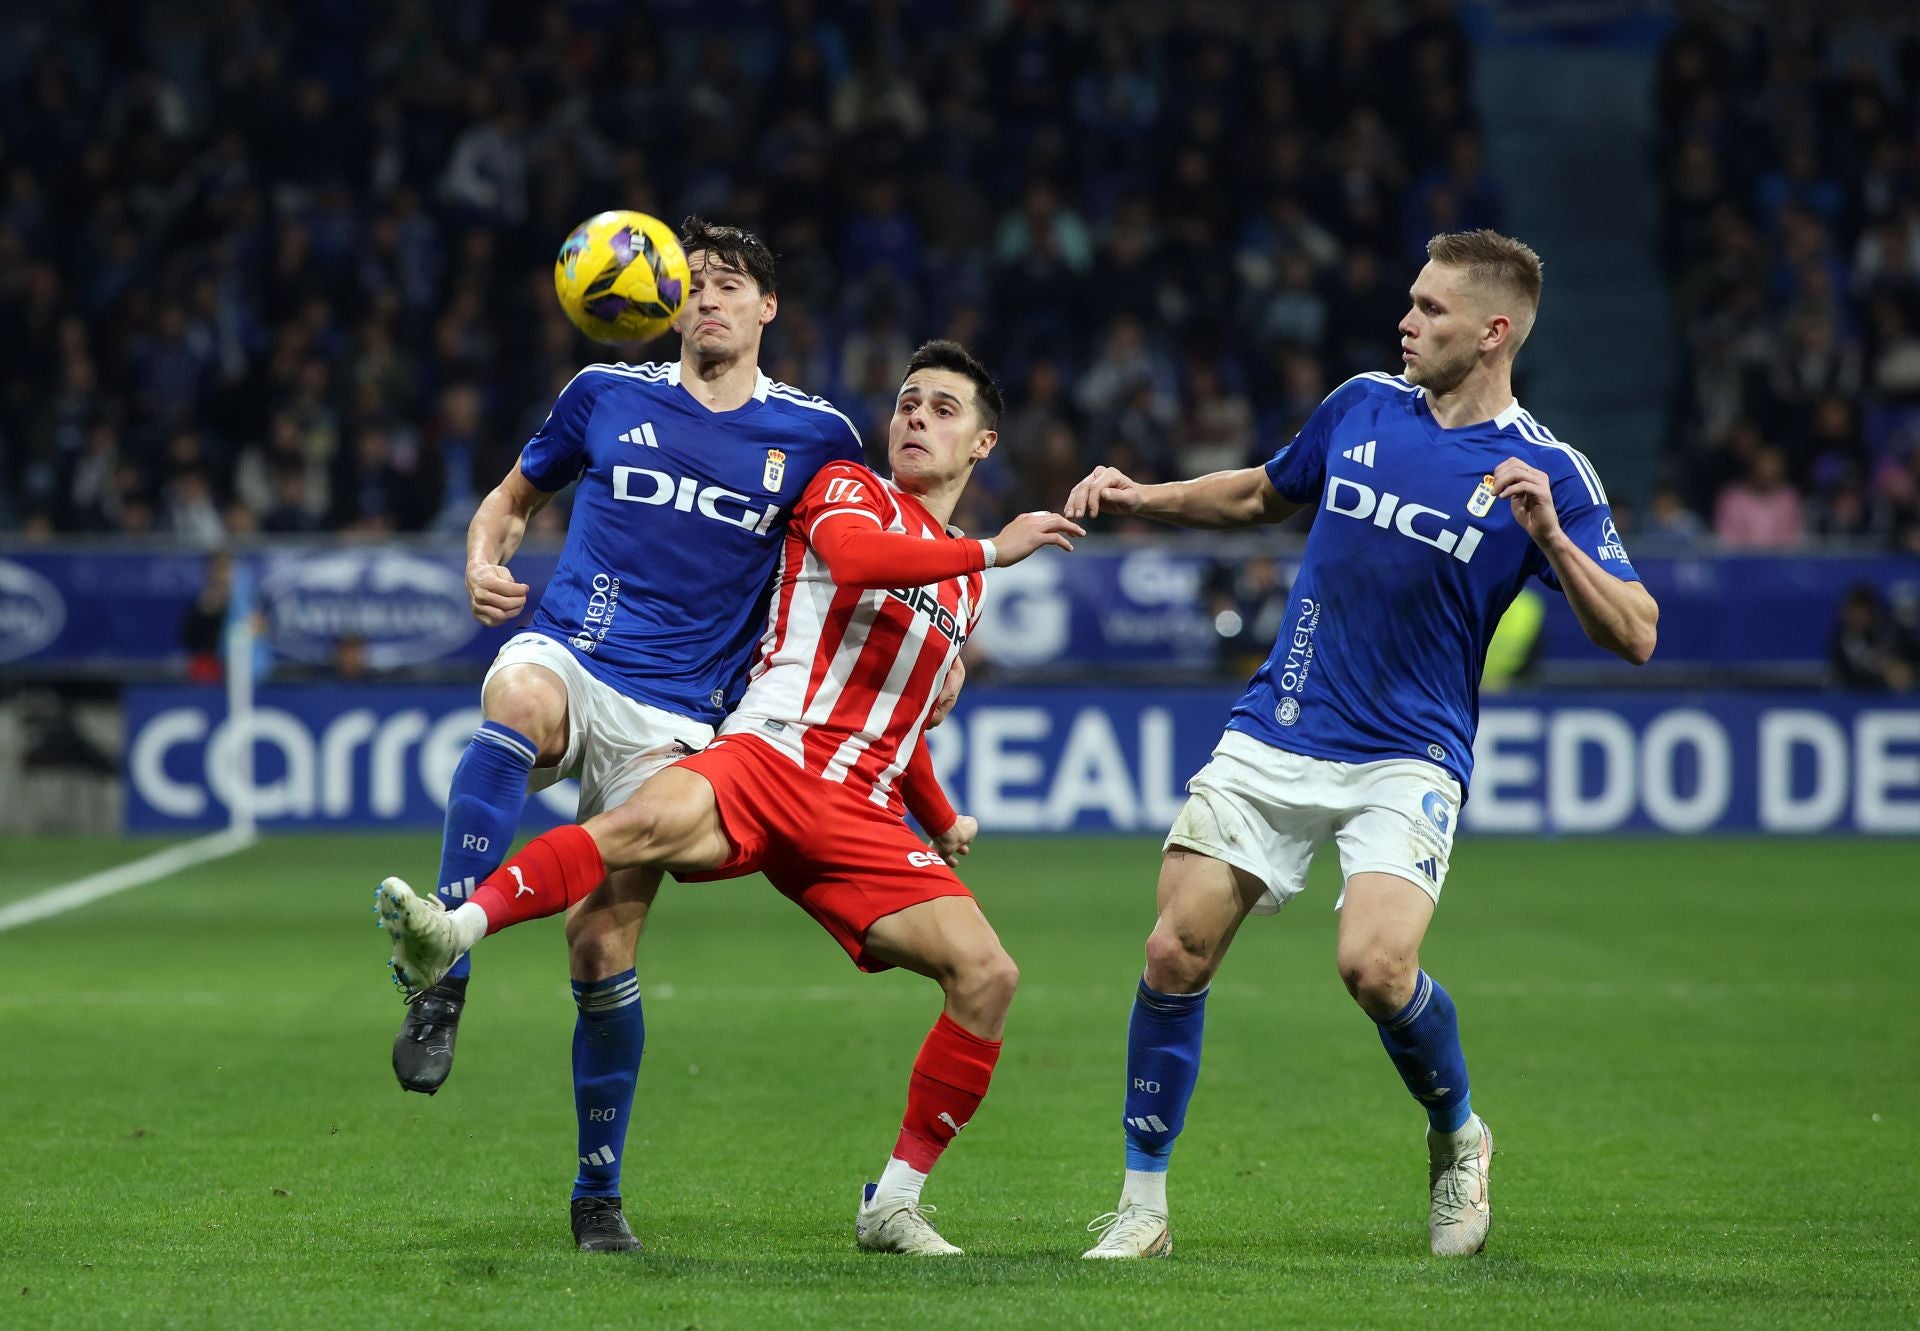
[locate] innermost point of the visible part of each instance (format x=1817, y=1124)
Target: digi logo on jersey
x=602, y=601
x=1389, y=512
x=923, y=600
x=641, y=485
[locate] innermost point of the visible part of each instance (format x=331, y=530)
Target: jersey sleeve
x=920, y=791
x=1299, y=471
x=558, y=450
x=1585, y=516
x=843, y=516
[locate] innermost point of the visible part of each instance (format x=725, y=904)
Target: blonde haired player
x=1439, y=497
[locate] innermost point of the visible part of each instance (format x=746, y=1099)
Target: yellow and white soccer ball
x=621, y=276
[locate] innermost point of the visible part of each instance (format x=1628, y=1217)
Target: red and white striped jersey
x=846, y=676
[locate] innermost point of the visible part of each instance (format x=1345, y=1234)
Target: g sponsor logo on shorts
x=1287, y=712
x=1434, y=805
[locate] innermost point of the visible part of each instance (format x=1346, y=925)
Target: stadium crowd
x=1790, y=171
x=287, y=268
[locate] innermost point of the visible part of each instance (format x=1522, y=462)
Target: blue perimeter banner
x=1098, y=760
x=1113, y=608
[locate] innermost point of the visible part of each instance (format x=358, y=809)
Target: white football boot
x=423, y=945
x=898, y=1227
x=1132, y=1231
x=1457, y=1175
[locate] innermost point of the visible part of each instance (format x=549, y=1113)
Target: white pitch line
x=160, y=864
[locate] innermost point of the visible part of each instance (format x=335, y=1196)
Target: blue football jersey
x=1408, y=568
x=676, y=527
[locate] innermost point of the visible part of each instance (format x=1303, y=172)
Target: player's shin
x=553, y=871
x=950, y=1078
x=608, y=1037
x=1163, y=1063
x=483, y=809
x=1423, y=1039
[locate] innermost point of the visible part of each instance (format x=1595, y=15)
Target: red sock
x=552, y=872
x=949, y=1080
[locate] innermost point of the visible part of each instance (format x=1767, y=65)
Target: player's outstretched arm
x=858, y=553
x=1621, y=617
x=1222, y=499
x=494, y=535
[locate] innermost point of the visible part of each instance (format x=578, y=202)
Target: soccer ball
x=621, y=276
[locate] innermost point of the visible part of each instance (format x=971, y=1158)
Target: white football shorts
x=1268, y=812
x=614, y=743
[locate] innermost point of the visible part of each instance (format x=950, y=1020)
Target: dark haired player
x=877, y=595
x=687, y=475
x=1439, y=498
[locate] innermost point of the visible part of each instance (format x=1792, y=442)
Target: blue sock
x=1423, y=1039
x=483, y=809
x=608, y=1037
x=1163, y=1062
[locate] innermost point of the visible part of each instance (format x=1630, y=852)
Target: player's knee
x=597, y=950
x=629, y=834
x=1178, y=958
x=985, y=982
x=533, y=711
x=1380, y=980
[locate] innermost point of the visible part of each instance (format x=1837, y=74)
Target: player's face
x=935, y=433
x=725, y=309
x=1440, y=334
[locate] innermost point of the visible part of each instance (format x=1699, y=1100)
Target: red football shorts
x=844, y=860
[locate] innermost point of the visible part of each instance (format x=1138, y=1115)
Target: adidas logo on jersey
x=641, y=434
x=1361, y=453
x=1389, y=512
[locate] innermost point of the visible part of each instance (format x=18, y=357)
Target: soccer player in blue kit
x=638, y=648
x=1439, y=496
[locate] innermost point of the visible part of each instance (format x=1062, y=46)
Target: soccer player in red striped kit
x=875, y=598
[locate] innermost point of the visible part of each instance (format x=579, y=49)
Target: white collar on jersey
x=760, y=381
x=1508, y=416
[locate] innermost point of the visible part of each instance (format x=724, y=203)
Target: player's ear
x=769, y=306
x=983, y=444
x=1499, y=331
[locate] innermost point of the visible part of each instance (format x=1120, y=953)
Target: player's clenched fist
x=1028, y=533
x=957, y=840
x=494, y=595
x=1105, y=488
x=1531, y=492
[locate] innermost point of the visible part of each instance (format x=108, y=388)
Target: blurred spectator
x=1789, y=195
x=1871, y=651
x=1762, y=511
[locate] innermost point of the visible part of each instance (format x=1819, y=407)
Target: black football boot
x=599, y=1226
x=423, y=1050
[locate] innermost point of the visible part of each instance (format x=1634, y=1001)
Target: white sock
x=1146, y=1188
x=900, y=1184
x=469, y=923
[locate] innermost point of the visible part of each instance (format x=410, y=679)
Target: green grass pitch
x=1700, y=1058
